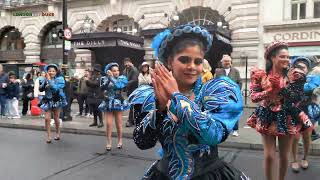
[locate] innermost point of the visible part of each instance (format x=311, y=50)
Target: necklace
x=189, y=94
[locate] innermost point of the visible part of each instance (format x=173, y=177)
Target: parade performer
x=54, y=98
x=277, y=91
x=187, y=117
x=304, y=64
x=113, y=104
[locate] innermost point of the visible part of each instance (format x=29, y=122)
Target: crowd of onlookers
x=89, y=97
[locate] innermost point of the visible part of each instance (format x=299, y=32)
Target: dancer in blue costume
x=113, y=103
x=187, y=117
x=54, y=98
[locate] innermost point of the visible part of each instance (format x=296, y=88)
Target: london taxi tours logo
x=32, y=13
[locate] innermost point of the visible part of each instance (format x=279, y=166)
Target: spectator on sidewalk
x=95, y=95
x=66, y=110
x=206, y=72
x=83, y=93
x=13, y=96
x=313, y=87
x=232, y=73
x=27, y=95
x=113, y=104
x=132, y=75
x=145, y=74
x=4, y=80
x=37, y=93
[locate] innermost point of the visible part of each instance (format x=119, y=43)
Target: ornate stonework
x=243, y=20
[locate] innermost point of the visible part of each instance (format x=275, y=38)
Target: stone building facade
x=240, y=17
x=294, y=21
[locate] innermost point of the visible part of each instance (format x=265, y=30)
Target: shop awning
x=106, y=39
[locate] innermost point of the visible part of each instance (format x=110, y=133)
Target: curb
x=314, y=150
x=249, y=107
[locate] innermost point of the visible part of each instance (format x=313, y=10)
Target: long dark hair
x=272, y=54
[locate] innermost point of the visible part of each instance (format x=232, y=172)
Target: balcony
x=12, y=4
x=12, y=55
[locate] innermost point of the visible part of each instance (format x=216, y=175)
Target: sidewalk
x=248, y=139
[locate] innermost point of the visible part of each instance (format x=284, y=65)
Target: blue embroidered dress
x=54, y=96
x=313, y=109
x=190, y=145
x=113, y=100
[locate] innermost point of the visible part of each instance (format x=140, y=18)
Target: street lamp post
x=64, y=26
x=243, y=56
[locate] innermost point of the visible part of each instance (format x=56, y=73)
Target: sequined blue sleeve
x=119, y=82
x=57, y=83
x=145, y=135
x=314, y=112
x=213, y=117
x=313, y=81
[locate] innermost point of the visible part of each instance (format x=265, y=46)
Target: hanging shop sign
x=93, y=43
x=129, y=44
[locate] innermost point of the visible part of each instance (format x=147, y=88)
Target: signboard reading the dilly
x=67, y=33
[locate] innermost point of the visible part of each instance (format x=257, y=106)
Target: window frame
x=314, y=2
x=298, y=2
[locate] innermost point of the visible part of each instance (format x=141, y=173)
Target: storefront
x=109, y=47
x=302, y=42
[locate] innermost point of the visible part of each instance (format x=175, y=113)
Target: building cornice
x=291, y=25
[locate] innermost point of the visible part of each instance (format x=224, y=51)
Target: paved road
x=26, y=156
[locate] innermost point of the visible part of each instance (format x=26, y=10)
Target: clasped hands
x=164, y=85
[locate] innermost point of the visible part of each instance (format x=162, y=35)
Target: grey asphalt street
x=24, y=155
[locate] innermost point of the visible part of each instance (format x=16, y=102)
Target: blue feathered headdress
x=163, y=40
x=109, y=66
x=46, y=68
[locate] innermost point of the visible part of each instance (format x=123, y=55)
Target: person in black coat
x=95, y=95
x=65, y=114
x=132, y=75
x=13, y=96
x=4, y=80
x=27, y=93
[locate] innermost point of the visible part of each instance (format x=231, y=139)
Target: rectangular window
x=298, y=9
x=302, y=10
x=294, y=11
x=316, y=12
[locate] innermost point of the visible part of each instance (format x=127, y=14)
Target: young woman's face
x=43, y=74
x=281, y=60
x=115, y=71
x=52, y=72
x=145, y=68
x=186, y=66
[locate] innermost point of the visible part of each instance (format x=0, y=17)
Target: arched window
x=11, y=40
x=52, y=39
x=120, y=23
x=201, y=16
